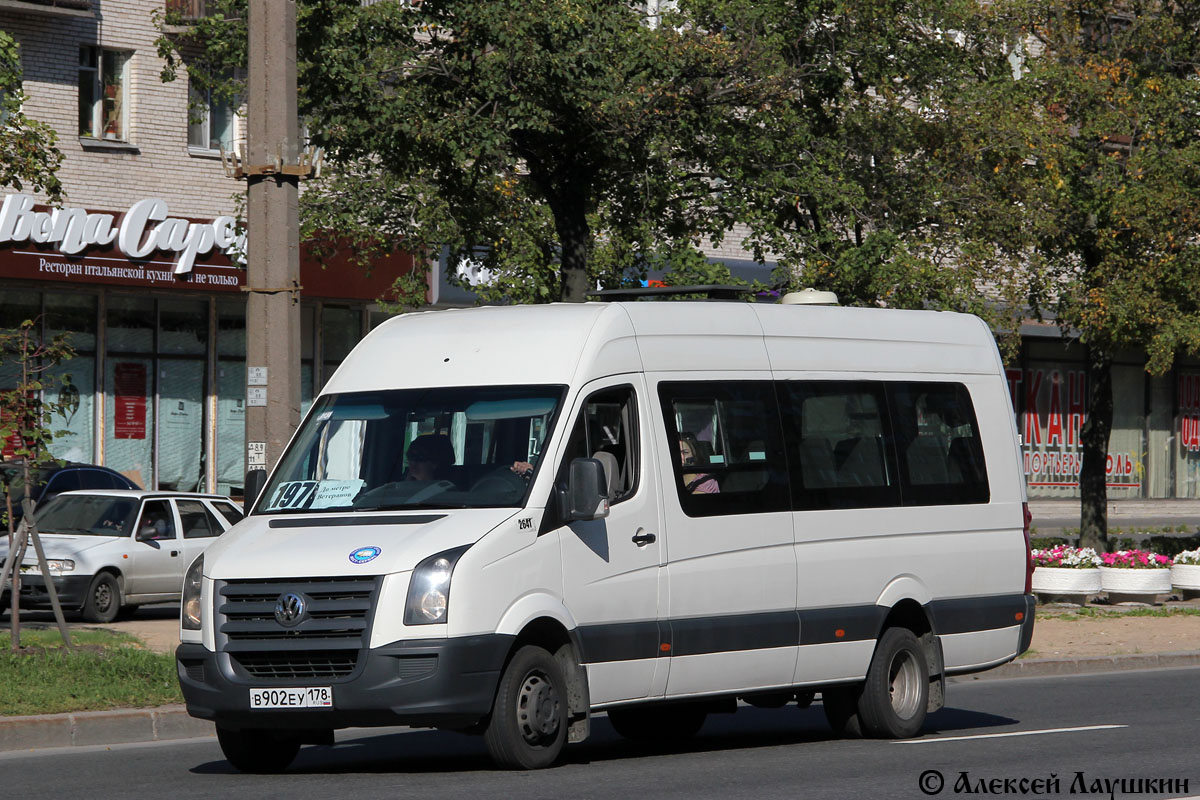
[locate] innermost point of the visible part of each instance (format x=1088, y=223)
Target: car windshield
x=472, y=447
x=90, y=515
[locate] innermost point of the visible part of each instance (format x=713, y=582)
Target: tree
x=558, y=142
x=871, y=173
x=1109, y=103
x=25, y=419
x=29, y=157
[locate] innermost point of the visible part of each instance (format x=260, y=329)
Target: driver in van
x=428, y=457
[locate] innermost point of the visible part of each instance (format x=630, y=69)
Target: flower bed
x=1135, y=576
x=1185, y=573
x=1066, y=573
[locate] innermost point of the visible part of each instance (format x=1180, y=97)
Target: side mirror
x=256, y=479
x=587, y=491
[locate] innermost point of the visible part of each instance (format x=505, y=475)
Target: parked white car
x=110, y=550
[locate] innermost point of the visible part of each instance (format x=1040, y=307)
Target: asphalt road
x=1084, y=730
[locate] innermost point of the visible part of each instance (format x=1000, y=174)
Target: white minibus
x=505, y=520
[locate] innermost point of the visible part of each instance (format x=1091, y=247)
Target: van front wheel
x=528, y=727
x=896, y=694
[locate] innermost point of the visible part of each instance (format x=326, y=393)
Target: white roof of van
x=566, y=343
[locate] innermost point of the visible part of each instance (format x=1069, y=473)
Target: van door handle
x=642, y=538
x=174, y=553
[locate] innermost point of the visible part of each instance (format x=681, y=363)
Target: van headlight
x=57, y=566
x=429, y=590
x=189, y=611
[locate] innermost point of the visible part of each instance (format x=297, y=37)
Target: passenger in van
x=695, y=482
x=428, y=457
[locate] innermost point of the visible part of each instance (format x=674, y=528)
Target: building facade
x=140, y=265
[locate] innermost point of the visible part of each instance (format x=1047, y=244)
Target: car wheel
x=662, y=723
x=895, y=696
x=528, y=726
x=103, y=599
x=258, y=751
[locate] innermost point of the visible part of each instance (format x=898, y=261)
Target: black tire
x=895, y=697
x=103, y=600
x=841, y=710
x=528, y=725
x=260, y=752
x=675, y=722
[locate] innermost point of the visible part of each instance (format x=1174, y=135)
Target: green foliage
x=106, y=670
x=29, y=157
x=539, y=140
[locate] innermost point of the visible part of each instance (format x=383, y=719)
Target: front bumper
x=71, y=589
x=441, y=683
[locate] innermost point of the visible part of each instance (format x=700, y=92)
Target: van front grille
x=330, y=630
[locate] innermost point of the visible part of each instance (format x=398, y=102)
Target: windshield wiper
x=405, y=506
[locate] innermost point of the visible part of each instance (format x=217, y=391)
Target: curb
x=1046, y=667
x=84, y=728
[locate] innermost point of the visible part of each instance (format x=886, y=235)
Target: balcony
x=67, y=8
x=190, y=10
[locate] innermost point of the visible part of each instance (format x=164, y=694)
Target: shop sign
x=142, y=231
x=1051, y=445
x=129, y=383
x=1189, y=411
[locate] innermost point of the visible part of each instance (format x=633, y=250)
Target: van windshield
x=468, y=447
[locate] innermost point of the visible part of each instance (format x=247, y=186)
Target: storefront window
x=183, y=327
x=131, y=323
x=180, y=424
x=231, y=396
x=341, y=328
x=307, y=331
x=128, y=417
x=17, y=307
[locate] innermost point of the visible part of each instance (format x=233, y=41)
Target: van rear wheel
x=895, y=696
x=528, y=726
x=259, y=752
x=661, y=723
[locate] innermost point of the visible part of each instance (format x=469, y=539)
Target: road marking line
x=1011, y=733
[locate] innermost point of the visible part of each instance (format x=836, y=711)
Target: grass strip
x=1091, y=612
x=106, y=670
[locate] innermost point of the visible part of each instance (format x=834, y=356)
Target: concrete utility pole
x=272, y=235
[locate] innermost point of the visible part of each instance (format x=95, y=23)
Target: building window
x=103, y=94
x=212, y=129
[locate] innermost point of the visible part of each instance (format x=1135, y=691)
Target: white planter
x=1135, y=585
x=1186, y=578
x=1072, y=585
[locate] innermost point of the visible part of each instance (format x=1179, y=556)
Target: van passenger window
x=726, y=446
x=938, y=439
x=839, y=444
x=606, y=429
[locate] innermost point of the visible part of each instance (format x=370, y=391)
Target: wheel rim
x=102, y=598
x=905, y=685
x=537, y=709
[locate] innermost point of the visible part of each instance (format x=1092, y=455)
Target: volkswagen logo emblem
x=291, y=609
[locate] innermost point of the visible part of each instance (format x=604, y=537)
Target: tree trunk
x=1093, y=477
x=570, y=222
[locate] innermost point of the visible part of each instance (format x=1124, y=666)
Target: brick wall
x=158, y=164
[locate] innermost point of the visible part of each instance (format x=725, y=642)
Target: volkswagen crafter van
x=503, y=520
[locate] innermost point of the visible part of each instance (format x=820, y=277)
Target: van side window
x=731, y=433
x=198, y=522
x=839, y=444
x=606, y=429
x=937, y=437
